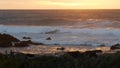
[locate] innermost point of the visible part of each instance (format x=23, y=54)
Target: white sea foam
x=65, y=35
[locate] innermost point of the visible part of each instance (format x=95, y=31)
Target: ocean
x=65, y=27
x=86, y=18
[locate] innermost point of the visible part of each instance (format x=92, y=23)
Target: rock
x=35, y=43
x=5, y=44
x=6, y=40
x=87, y=54
x=97, y=51
x=114, y=47
x=26, y=37
x=75, y=54
x=61, y=48
x=93, y=53
x=21, y=44
x=49, y=38
x=29, y=41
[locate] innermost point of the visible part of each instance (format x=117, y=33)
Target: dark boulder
x=6, y=40
x=87, y=54
x=61, y=48
x=5, y=44
x=35, y=43
x=21, y=44
x=75, y=54
x=26, y=37
x=49, y=38
x=93, y=53
x=114, y=47
x=97, y=51
x=28, y=41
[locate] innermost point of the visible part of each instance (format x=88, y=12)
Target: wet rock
x=6, y=40
x=21, y=44
x=35, y=43
x=61, y=48
x=26, y=37
x=49, y=38
x=29, y=41
x=5, y=44
x=114, y=47
x=97, y=51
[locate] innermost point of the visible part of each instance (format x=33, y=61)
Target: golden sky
x=59, y=4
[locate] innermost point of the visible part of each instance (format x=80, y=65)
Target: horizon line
x=59, y=9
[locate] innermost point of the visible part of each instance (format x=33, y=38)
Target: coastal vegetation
x=76, y=60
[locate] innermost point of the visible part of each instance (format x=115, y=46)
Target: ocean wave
x=96, y=23
x=57, y=29
x=65, y=36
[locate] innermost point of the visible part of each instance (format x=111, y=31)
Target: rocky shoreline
x=64, y=59
x=7, y=40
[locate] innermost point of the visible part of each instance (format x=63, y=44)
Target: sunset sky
x=59, y=4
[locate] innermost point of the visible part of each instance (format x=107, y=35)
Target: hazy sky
x=59, y=4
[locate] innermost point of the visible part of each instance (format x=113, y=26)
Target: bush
x=63, y=61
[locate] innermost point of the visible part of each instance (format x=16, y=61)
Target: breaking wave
x=62, y=35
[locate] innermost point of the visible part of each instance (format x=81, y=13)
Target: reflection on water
x=51, y=49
